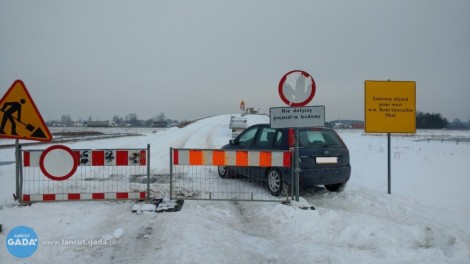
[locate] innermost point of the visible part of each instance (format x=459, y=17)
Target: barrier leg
x=148, y=171
x=171, y=173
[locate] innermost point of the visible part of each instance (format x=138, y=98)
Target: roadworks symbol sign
x=19, y=117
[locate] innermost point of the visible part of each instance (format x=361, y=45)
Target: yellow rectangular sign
x=390, y=106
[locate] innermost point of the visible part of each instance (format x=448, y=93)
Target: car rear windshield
x=314, y=137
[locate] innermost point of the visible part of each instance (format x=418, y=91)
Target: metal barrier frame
x=284, y=196
x=86, y=195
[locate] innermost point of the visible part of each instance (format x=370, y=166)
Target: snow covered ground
x=425, y=220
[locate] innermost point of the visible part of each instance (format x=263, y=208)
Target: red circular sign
x=301, y=93
x=58, y=162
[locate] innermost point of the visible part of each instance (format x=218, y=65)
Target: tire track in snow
x=189, y=136
x=201, y=134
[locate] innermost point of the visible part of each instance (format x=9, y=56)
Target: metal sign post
x=18, y=168
x=389, y=164
x=297, y=169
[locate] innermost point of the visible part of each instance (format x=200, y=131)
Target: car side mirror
x=232, y=142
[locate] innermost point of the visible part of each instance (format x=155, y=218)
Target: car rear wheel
x=338, y=187
x=223, y=171
x=274, y=180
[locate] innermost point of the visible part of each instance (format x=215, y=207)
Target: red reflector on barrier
x=26, y=159
x=143, y=157
x=122, y=158
x=195, y=157
x=218, y=158
x=97, y=196
x=175, y=157
x=48, y=197
x=97, y=158
x=73, y=196
x=287, y=159
x=242, y=158
x=265, y=159
x=122, y=195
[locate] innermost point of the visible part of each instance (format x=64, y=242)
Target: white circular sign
x=297, y=88
x=58, y=162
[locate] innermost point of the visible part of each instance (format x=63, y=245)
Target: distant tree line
x=437, y=121
x=128, y=120
x=430, y=121
x=423, y=121
x=458, y=124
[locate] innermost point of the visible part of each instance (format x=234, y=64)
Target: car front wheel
x=274, y=180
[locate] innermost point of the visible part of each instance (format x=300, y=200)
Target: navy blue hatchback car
x=324, y=158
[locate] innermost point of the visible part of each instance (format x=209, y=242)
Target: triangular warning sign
x=19, y=117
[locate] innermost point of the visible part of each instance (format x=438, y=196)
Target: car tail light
x=291, y=138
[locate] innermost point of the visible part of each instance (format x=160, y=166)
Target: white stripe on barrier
x=86, y=196
x=34, y=157
x=207, y=156
x=183, y=156
x=277, y=158
x=230, y=158
x=253, y=158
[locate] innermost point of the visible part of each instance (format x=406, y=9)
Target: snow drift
x=425, y=220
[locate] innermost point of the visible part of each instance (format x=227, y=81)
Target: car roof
x=301, y=128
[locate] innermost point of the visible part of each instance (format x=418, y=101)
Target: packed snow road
x=425, y=220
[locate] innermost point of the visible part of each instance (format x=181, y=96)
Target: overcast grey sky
x=191, y=59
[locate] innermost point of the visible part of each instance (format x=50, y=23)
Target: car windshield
x=312, y=138
x=247, y=137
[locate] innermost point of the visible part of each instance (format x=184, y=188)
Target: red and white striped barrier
x=59, y=173
x=83, y=196
x=88, y=157
x=212, y=157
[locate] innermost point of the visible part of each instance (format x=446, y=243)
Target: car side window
x=331, y=138
x=311, y=138
x=266, y=138
x=247, y=137
x=278, y=141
